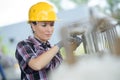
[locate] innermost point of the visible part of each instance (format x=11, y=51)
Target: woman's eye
x=51, y=24
x=44, y=24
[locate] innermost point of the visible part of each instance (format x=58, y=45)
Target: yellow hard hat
x=42, y=11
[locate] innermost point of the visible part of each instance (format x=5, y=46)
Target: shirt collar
x=35, y=41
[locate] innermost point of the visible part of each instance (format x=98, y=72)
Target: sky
x=13, y=11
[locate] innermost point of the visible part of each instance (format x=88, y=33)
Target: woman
x=35, y=55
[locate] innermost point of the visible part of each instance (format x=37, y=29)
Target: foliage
x=113, y=7
x=57, y=3
x=78, y=2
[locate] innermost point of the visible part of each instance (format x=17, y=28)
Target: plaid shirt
x=31, y=48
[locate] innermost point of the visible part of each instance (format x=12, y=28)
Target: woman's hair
x=34, y=23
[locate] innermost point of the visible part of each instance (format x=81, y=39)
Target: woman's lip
x=48, y=34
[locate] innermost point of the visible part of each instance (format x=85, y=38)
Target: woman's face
x=43, y=30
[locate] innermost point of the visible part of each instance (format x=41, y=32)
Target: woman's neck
x=40, y=39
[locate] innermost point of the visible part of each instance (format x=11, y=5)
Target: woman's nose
x=49, y=28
